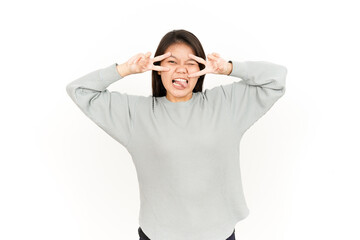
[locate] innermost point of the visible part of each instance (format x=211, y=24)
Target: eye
x=171, y=61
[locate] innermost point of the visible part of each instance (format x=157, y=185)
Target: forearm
x=97, y=80
x=260, y=73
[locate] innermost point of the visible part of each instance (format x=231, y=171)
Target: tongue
x=183, y=84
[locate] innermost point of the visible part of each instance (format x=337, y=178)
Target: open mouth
x=180, y=83
x=180, y=80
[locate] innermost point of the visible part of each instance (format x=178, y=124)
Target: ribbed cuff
x=109, y=75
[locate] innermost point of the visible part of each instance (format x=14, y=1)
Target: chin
x=180, y=93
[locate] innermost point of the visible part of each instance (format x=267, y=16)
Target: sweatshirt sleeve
x=111, y=111
x=263, y=83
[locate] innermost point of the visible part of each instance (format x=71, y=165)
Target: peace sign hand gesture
x=215, y=65
x=142, y=62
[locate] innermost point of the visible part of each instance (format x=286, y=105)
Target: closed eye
x=170, y=61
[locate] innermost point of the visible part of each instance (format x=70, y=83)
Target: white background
x=62, y=177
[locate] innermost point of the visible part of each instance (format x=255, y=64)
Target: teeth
x=179, y=79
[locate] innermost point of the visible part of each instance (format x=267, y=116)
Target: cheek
x=193, y=69
x=171, y=67
x=167, y=76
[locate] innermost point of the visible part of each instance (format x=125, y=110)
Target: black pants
x=144, y=237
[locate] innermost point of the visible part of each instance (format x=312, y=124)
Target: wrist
x=230, y=67
x=122, y=69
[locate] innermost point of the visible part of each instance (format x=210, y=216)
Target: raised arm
x=263, y=84
x=112, y=111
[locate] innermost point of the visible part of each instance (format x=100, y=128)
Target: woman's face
x=180, y=65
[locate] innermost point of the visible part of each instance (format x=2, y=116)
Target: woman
x=184, y=142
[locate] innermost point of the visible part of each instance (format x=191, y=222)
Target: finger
x=141, y=59
x=214, y=56
x=133, y=58
x=161, y=57
x=148, y=54
x=202, y=72
x=138, y=59
x=159, y=68
x=198, y=59
x=211, y=56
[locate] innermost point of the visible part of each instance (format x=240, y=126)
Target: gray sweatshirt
x=186, y=154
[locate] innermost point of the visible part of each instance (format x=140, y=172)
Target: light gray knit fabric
x=186, y=154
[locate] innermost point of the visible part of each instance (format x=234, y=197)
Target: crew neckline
x=169, y=103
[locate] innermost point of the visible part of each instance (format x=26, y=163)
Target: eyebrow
x=190, y=59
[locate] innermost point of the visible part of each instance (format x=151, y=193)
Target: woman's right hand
x=141, y=63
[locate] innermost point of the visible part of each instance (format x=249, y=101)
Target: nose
x=181, y=69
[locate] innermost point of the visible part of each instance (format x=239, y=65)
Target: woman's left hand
x=215, y=65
